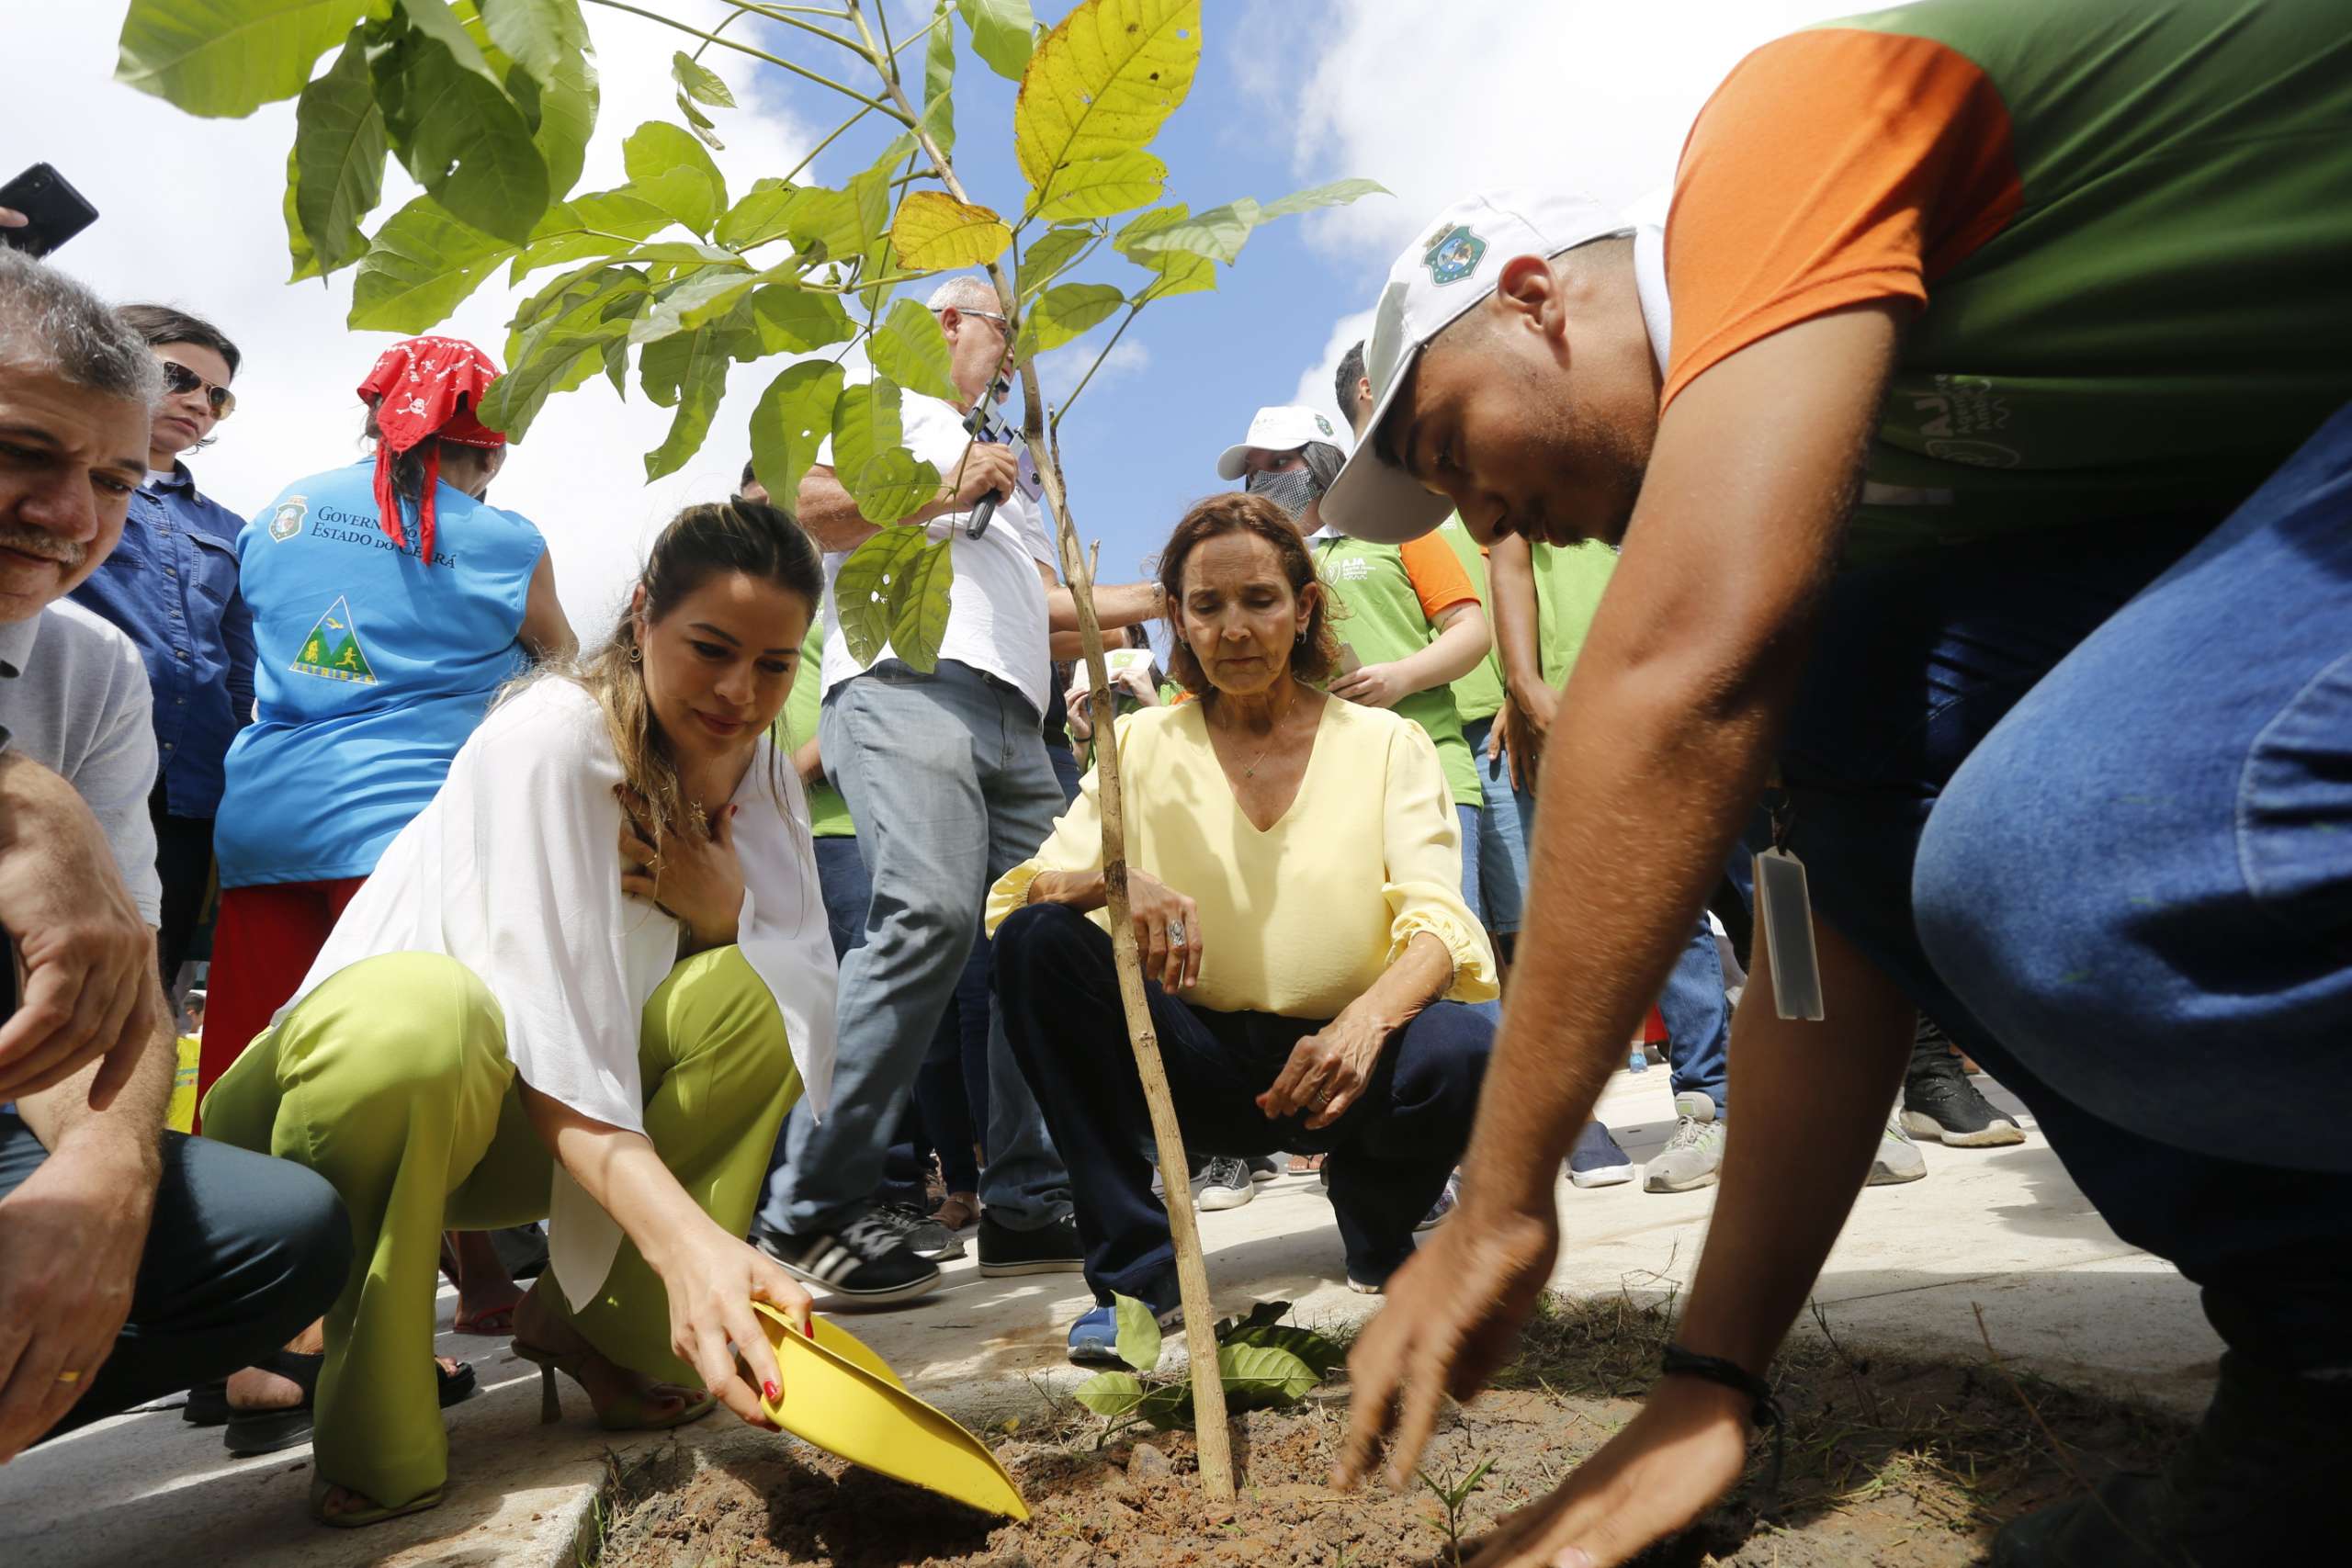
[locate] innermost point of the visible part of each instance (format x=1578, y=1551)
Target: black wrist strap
x=1680, y=1362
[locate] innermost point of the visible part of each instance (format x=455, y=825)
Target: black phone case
x=54, y=209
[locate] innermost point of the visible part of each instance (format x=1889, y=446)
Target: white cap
x=1283, y=429
x=1452, y=266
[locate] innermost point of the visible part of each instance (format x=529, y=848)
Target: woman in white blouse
x=510, y=1023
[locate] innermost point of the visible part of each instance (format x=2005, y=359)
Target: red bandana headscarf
x=427, y=385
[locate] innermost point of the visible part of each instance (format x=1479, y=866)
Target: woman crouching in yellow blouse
x=1295, y=878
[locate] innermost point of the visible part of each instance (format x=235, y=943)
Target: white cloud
x=191, y=215
x=1436, y=98
x=1317, y=386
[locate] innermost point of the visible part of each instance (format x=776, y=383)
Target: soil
x=1887, y=1461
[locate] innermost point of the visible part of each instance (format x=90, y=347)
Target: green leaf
x=1063, y=313
x=1004, y=34
x=1217, y=234
x=565, y=348
x=1321, y=1356
x=840, y=225
x=587, y=226
x=692, y=366
x=791, y=320
x=758, y=217
x=696, y=299
x=306, y=263
x=1044, y=261
x=1181, y=271
x=460, y=137
x=337, y=174
x=420, y=267
x=868, y=456
x=537, y=35
x=1111, y=1394
x=1338, y=193
x=1167, y=1404
x=794, y=416
x=435, y=21
x=1139, y=1341
x=1104, y=82
x=939, y=82
x=935, y=232
x=699, y=82
x=908, y=347
x=1098, y=187
x=567, y=117
x=1262, y=1377
x=866, y=591
x=705, y=129
x=670, y=169
x=227, y=58
x=920, y=625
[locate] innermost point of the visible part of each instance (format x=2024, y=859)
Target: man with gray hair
x=132, y=1261
x=946, y=777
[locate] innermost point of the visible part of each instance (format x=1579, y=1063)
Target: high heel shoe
x=630, y=1413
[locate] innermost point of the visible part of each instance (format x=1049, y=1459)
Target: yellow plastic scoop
x=843, y=1397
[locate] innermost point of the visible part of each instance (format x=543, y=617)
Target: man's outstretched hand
x=1652, y=1480
x=1453, y=1317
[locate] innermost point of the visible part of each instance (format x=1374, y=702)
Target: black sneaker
x=1048, y=1249
x=870, y=1261
x=2258, y=1477
x=1941, y=1105
x=930, y=1238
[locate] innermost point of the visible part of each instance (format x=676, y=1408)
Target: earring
x=636, y=656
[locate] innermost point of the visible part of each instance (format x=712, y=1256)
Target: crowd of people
x=1915, y=572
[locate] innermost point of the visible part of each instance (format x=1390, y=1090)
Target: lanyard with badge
x=1784, y=912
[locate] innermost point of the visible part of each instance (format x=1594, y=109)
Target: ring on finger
x=1176, y=934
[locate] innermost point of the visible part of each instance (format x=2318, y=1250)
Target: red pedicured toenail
x=771, y=1391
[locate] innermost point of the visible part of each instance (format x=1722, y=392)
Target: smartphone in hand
x=54, y=211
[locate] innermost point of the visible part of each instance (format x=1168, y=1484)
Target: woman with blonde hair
x=506, y=1024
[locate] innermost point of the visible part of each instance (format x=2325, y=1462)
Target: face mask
x=1292, y=489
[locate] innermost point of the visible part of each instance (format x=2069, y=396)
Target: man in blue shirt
x=170, y=585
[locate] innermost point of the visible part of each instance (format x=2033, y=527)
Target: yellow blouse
x=1301, y=918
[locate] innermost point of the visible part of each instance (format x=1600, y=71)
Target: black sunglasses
x=178, y=379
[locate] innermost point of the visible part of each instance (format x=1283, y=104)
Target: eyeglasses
x=179, y=378
x=1001, y=325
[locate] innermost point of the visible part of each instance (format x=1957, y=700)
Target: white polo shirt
x=73, y=698
x=996, y=618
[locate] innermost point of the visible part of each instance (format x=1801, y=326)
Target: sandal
x=208, y=1403
x=1306, y=1164
x=498, y=1322
x=630, y=1413
x=268, y=1431
x=375, y=1513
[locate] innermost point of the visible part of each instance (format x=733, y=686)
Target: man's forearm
x=1633, y=839
x=130, y=1129
x=1812, y=1098
x=1116, y=604
x=830, y=514
x=1512, y=604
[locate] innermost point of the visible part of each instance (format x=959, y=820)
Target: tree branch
x=1133, y=311
x=801, y=71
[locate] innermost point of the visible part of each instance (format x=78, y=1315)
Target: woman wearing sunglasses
x=171, y=586
x=389, y=604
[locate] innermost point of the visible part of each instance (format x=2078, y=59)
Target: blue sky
x=1430, y=97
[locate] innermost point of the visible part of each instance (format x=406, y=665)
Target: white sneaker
x=1898, y=1158
x=1694, y=1155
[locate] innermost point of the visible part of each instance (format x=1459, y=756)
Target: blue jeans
x=2108, y=769
x=1494, y=838
x=846, y=889
x=1391, y=1151
x=946, y=777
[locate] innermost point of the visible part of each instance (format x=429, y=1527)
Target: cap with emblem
x=1283, y=429
x=1451, y=265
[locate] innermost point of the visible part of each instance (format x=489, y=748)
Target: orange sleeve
x=1437, y=578
x=1833, y=167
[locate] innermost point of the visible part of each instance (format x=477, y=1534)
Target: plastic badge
x=1784, y=911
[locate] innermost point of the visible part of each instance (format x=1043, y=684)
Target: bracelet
x=1680, y=1362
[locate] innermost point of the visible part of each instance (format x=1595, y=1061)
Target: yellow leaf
x=1104, y=82
x=934, y=231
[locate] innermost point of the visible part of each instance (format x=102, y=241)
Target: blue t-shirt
x=370, y=670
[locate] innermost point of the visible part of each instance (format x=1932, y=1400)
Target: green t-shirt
x=2135, y=222
x=1382, y=621
x=1567, y=591
x=1480, y=694
x=828, y=813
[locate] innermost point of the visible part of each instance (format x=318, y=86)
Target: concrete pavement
x=2002, y=1228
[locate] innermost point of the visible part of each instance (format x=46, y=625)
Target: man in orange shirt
x=1975, y=430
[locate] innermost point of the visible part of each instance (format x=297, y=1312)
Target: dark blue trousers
x=1391, y=1151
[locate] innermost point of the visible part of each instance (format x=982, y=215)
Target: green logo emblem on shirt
x=287, y=521
x=1455, y=254
x=332, y=651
